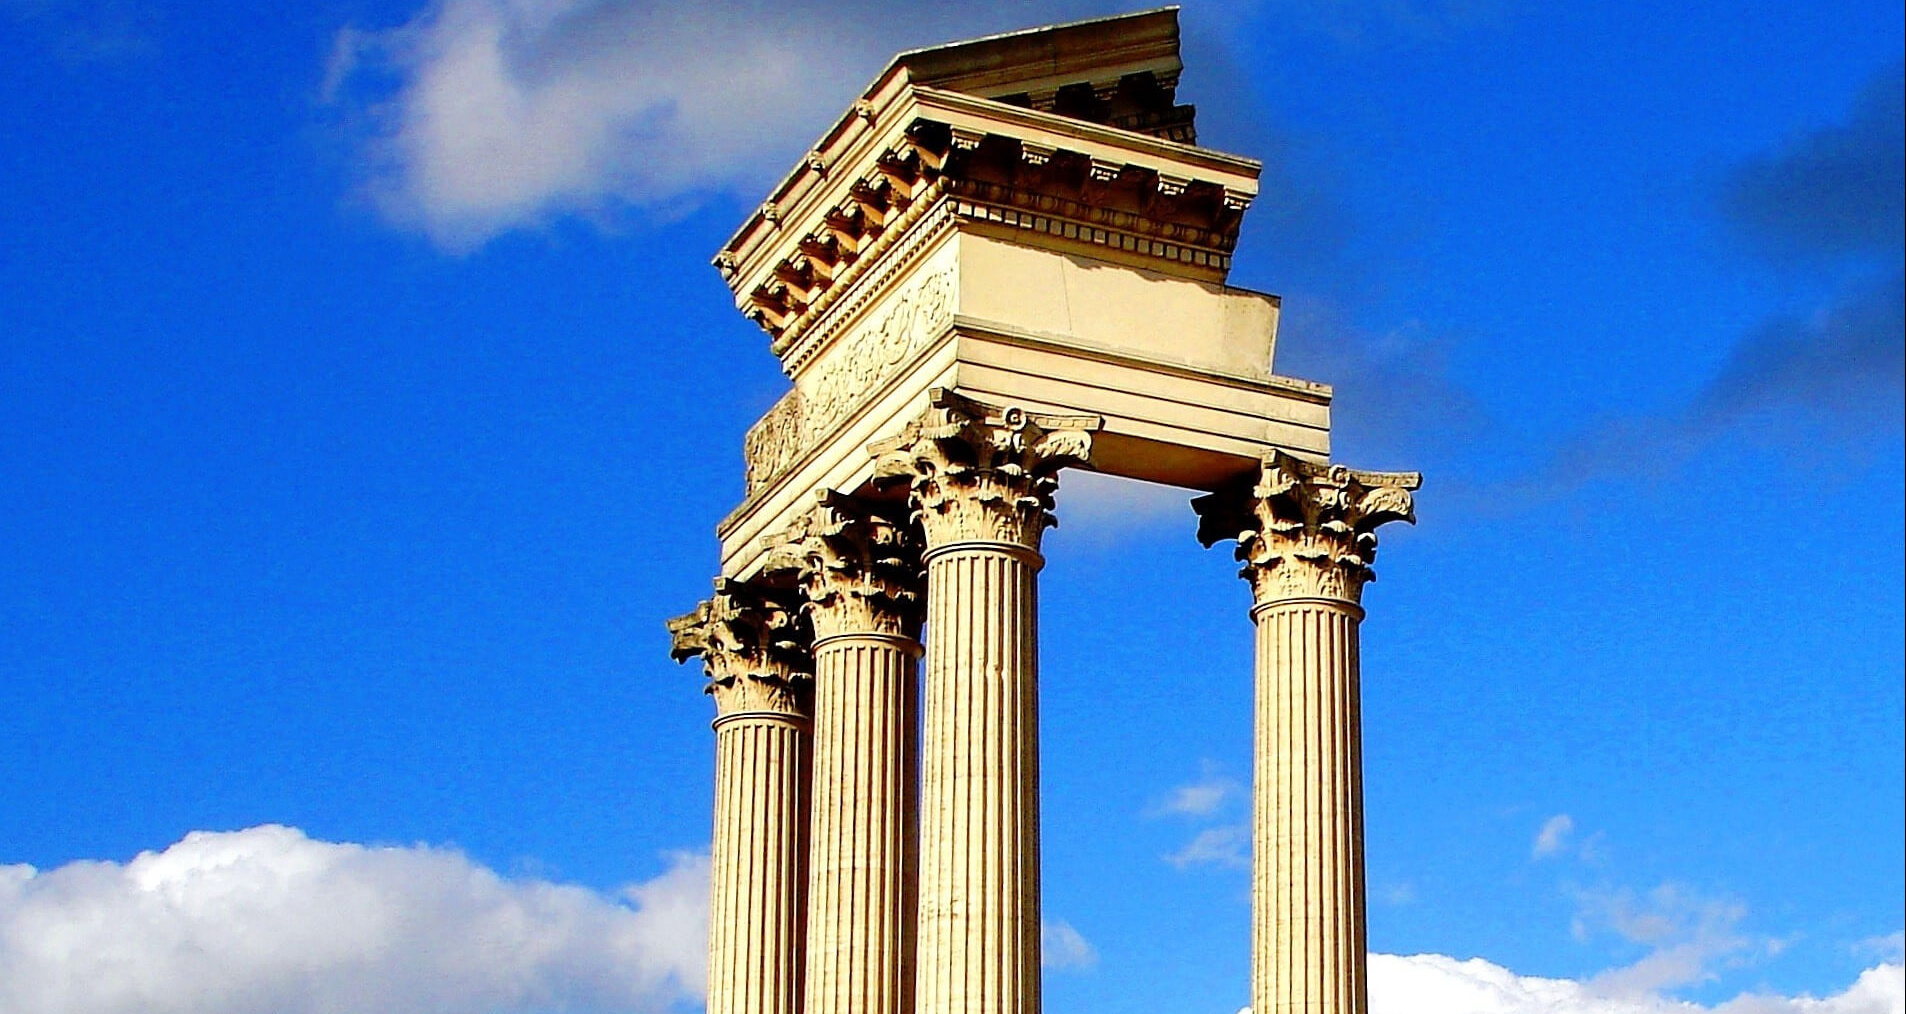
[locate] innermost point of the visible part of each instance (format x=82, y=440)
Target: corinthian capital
x=858, y=564
x=983, y=473
x=1306, y=530
x=753, y=643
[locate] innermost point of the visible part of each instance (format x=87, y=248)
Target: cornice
x=865, y=185
x=1130, y=147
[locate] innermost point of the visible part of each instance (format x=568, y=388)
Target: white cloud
x=1227, y=845
x=1435, y=984
x=1554, y=836
x=481, y=116
x=1201, y=798
x=1890, y=947
x=268, y=919
x=1064, y=947
x=1689, y=936
x=1400, y=893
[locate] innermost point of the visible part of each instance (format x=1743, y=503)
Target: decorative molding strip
x=1115, y=239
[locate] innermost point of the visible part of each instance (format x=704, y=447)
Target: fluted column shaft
x=857, y=564
x=981, y=481
x=979, y=827
x=758, y=864
x=1306, y=535
x=863, y=877
x=1307, y=812
x=754, y=645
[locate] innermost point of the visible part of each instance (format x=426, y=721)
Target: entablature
x=908, y=147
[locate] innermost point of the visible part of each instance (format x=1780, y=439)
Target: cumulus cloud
x=1064, y=947
x=481, y=116
x=1553, y=836
x=476, y=117
x=1435, y=984
x=268, y=919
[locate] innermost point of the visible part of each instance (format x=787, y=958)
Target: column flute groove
x=753, y=645
x=1306, y=535
x=857, y=564
x=980, y=480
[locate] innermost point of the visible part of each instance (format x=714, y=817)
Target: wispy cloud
x=1397, y=401
x=1890, y=947
x=1689, y=936
x=1844, y=360
x=105, y=31
x=1397, y=894
x=1201, y=798
x=1831, y=192
x=1827, y=209
x=1213, y=803
x=477, y=117
x=1065, y=948
x=269, y=919
x=1553, y=837
x=1227, y=846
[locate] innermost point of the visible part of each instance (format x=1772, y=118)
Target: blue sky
x=367, y=401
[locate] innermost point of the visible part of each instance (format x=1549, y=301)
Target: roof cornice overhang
x=906, y=143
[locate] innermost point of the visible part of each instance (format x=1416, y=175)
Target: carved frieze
x=754, y=645
x=840, y=382
x=983, y=473
x=858, y=564
x=1307, y=530
x=774, y=443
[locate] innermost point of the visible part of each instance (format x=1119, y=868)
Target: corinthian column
x=981, y=481
x=859, y=567
x=753, y=645
x=1306, y=535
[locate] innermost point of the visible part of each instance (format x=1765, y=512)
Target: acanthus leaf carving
x=753, y=642
x=858, y=565
x=983, y=473
x=1307, y=530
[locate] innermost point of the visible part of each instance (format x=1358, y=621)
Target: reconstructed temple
x=1006, y=259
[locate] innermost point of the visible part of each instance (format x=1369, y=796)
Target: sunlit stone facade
x=1006, y=259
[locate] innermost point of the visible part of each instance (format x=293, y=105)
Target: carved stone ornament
x=858, y=564
x=1306, y=530
x=983, y=473
x=850, y=373
x=753, y=643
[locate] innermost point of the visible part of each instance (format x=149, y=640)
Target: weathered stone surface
x=1004, y=260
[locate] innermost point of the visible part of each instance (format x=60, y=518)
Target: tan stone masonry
x=858, y=566
x=1007, y=258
